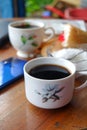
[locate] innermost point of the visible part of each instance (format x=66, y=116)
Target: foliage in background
x=32, y=6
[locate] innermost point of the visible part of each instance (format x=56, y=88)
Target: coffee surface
x=49, y=72
x=25, y=25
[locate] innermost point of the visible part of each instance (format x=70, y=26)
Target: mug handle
x=52, y=34
x=82, y=86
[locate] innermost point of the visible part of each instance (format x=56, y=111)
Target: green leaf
x=30, y=38
x=34, y=44
x=23, y=39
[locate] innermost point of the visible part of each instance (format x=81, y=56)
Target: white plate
x=59, y=24
x=77, y=56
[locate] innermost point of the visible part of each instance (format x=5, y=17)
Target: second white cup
x=26, y=36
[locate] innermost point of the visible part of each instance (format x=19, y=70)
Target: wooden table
x=16, y=113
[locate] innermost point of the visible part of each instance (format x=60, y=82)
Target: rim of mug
x=41, y=58
x=37, y=23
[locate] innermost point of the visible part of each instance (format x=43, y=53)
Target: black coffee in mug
x=49, y=72
x=25, y=25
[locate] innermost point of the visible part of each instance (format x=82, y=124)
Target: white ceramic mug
x=27, y=40
x=50, y=94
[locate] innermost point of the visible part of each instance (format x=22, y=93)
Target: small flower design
x=51, y=92
x=32, y=38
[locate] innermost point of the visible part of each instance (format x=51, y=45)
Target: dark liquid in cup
x=25, y=25
x=49, y=72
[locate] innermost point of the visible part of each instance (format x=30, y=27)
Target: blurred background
x=38, y=8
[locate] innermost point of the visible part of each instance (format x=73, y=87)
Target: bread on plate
x=72, y=36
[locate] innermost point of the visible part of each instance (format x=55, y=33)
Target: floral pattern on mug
x=24, y=40
x=51, y=92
